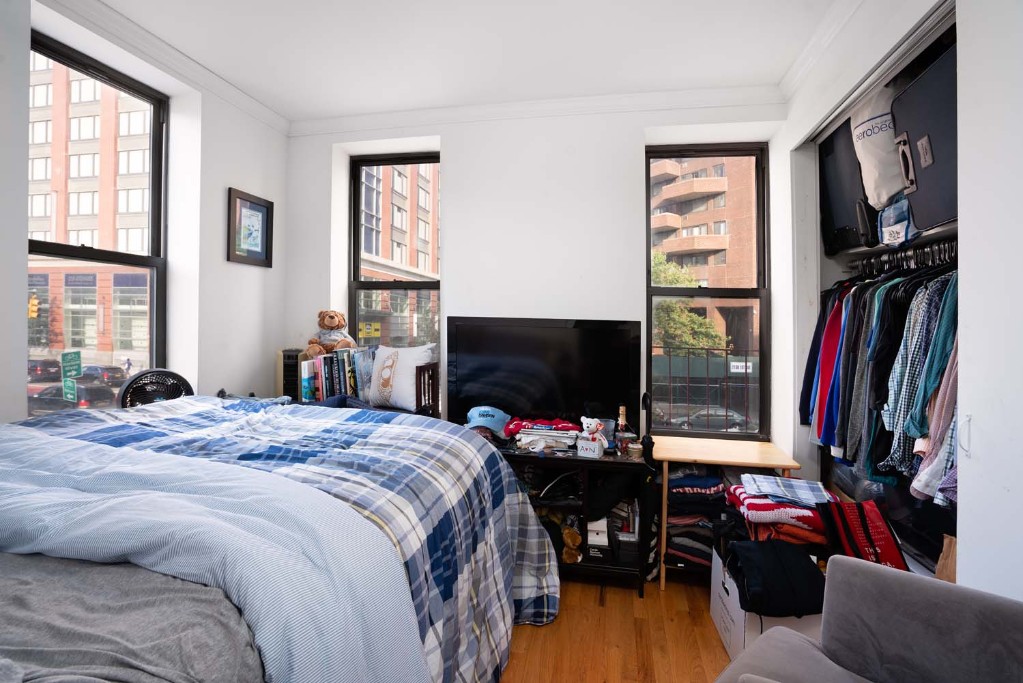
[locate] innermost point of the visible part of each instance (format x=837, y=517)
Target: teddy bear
x=331, y=334
x=592, y=430
x=569, y=540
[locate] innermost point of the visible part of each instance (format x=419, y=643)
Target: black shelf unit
x=589, y=468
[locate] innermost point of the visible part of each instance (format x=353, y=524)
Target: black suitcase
x=925, y=131
x=847, y=220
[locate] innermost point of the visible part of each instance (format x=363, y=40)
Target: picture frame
x=250, y=221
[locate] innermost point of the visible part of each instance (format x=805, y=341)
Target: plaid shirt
x=782, y=489
x=901, y=456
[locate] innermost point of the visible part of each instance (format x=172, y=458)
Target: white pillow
x=394, y=375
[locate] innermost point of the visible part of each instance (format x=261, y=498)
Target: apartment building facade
x=89, y=175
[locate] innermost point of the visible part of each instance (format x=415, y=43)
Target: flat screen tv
x=543, y=368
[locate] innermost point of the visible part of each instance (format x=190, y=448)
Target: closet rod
x=909, y=257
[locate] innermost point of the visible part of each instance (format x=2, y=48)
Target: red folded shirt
x=518, y=424
x=785, y=532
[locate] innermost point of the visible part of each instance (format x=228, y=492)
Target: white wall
x=241, y=307
x=542, y=206
x=14, y=48
x=990, y=326
x=224, y=318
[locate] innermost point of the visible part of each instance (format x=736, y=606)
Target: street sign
x=70, y=364
x=740, y=367
x=70, y=390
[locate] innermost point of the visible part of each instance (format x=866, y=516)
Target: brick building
x=399, y=241
x=703, y=218
x=88, y=169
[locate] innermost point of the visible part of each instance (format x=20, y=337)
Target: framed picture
x=250, y=229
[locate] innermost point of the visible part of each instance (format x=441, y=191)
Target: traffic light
x=33, y=306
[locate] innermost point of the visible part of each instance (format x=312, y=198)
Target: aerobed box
x=739, y=629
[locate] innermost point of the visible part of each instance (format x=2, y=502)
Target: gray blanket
x=74, y=621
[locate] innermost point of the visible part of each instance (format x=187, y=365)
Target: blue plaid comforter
x=476, y=556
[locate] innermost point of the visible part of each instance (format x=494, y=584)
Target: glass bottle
x=624, y=433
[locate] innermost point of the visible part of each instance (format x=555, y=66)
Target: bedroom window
x=393, y=301
x=95, y=278
x=707, y=296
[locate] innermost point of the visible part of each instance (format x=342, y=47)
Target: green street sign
x=70, y=365
x=70, y=390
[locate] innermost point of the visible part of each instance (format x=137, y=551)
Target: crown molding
x=708, y=98
x=837, y=16
x=114, y=27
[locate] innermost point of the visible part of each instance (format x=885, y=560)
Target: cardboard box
x=739, y=629
x=588, y=449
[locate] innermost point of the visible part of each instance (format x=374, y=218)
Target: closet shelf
x=942, y=232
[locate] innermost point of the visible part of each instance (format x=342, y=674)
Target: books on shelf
x=308, y=380
x=363, y=361
x=344, y=372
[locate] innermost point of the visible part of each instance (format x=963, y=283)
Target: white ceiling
x=324, y=58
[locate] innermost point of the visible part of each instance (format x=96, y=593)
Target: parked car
x=44, y=370
x=717, y=419
x=51, y=399
x=111, y=375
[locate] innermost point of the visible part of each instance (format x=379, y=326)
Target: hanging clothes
x=937, y=358
x=901, y=455
x=881, y=379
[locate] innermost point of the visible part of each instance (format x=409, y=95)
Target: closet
x=879, y=384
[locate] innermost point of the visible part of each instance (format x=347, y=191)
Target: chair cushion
x=782, y=654
x=897, y=627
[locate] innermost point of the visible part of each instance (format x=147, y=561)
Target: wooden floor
x=611, y=634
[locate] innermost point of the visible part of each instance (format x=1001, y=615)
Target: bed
x=417, y=574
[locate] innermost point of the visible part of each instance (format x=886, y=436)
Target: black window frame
x=355, y=283
x=156, y=261
x=761, y=292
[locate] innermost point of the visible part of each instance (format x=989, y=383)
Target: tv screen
x=543, y=368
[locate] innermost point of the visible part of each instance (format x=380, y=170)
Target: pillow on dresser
x=394, y=375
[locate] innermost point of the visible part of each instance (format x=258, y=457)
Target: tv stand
x=589, y=469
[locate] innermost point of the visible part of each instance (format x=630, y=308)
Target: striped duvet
x=476, y=557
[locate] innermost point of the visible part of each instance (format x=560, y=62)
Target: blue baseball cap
x=491, y=418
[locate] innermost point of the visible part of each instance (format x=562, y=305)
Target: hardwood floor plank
x=613, y=635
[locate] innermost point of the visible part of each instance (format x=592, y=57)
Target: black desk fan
x=150, y=386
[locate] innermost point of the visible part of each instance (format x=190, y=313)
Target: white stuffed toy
x=592, y=430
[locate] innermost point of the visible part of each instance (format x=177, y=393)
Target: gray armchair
x=887, y=626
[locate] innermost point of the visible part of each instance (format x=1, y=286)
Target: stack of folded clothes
x=696, y=496
x=781, y=509
x=537, y=435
